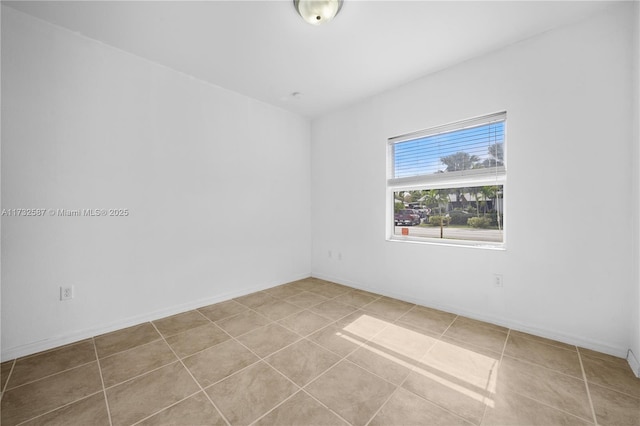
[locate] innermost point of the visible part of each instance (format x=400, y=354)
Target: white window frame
x=466, y=178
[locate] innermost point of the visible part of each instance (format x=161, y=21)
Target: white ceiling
x=264, y=50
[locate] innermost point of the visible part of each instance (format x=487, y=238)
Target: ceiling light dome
x=317, y=12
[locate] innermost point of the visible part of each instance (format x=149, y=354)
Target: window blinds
x=460, y=152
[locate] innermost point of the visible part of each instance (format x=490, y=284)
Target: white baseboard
x=580, y=341
x=633, y=363
x=76, y=336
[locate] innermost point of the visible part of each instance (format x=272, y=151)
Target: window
x=447, y=184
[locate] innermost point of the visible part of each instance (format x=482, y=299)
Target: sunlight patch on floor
x=463, y=370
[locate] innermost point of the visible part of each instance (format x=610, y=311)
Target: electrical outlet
x=498, y=280
x=330, y=254
x=66, y=293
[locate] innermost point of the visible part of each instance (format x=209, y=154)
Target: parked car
x=406, y=217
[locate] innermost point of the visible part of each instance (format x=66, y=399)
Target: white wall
x=568, y=265
x=217, y=186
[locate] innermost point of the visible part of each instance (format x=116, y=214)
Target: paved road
x=490, y=235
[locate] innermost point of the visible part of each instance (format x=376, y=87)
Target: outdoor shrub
x=459, y=217
x=479, y=222
x=435, y=220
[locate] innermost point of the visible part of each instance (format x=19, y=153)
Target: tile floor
x=317, y=353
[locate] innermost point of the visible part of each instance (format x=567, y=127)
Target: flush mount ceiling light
x=317, y=12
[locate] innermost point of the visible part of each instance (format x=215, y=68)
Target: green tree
x=460, y=161
x=496, y=152
x=487, y=193
x=437, y=198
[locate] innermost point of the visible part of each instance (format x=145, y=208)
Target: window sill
x=448, y=243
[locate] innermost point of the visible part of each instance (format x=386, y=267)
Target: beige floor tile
x=563, y=360
x=268, y=339
x=329, y=290
x=352, y=392
x=254, y=300
x=277, y=309
x=387, y=342
x=612, y=374
x=543, y=340
x=140, y=360
x=180, y=323
x=465, y=320
x=301, y=409
x=89, y=411
x=305, y=284
x=427, y=318
x=306, y=299
x=614, y=408
x=36, y=398
x=406, y=408
x=304, y=322
x=403, y=343
x=35, y=367
x=283, y=291
x=473, y=368
x=392, y=309
x=262, y=389
x=127, y=338
x=243, y=323
x=368, y=293
x=136, y=399
x=363, y=325
x=335, y=339
x=332, y=310
x=197, y=339
x=195, y=410
x=222, y=310
x=217, y=362
x=355, y=298
x=477, y=333
x=5, y=370
x=455, y=395
x=563, y=392
x=303, y=361
x=512, y=409
x=600, y=355
x=379, y=361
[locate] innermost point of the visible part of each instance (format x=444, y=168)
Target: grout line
x=6, y=385
x=261, y=359
x=61, y=407
x=524, y=335
x=586, y=386
x=193, y=378
x=47, y=376
x=306, y=337
x=137, y=376
x=300, y=388
x=325, y=405
x=504, y=348
x=526, y=361
x=104, y=390
x=274, y=408
x=130, y=349
x=546, y=404
x=413, y=368
x=166, y=408
x=400, y=386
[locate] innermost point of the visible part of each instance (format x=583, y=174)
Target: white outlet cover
x=66, y=292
